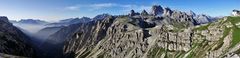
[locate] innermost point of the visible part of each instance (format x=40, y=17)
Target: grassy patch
x=236, y=31
x=176, y=30
x=234, y=20
x=180, y=54
x=226, y=32
x=156, y=52
x=235, y=37
x=205, y=27
x=180, y=25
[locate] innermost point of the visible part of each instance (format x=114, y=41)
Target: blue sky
x=54, y=10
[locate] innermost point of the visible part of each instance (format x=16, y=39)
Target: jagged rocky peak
x=236, y=12
x=4, y=19
x=180, y=15
x=133, y=13
x=85, y=18
x=101, y=16
x=144, y=12
x=82, y=20
x=201, y=19
x=167, y=11
x=191, y=13
x=157, y=10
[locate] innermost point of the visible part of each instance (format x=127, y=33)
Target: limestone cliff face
x=91, y=34
x=13, y=41
x=125, y=37
x=130, y=36
x=173, y=35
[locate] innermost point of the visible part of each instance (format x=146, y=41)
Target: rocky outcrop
x=157, y=10
x=144, y=13
x=167, y=12
x=13, y=41
x=133, y=13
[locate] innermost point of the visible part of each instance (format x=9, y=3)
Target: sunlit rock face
x=174, y=35
x=123, y=36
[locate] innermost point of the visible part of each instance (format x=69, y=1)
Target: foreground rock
x=13, y=41
x=10, y=56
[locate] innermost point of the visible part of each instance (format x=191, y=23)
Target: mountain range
x=158, y=33
x=30, y=21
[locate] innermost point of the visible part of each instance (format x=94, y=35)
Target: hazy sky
x=53, y=10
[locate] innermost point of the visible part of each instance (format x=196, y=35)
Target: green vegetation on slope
x=236, y=30
x=234, y=20
x=205, y=27
x=220, y=42
x=199, y=49
x=156, y=52
x=236, y=37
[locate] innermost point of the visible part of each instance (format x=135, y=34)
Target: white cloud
x=91, y=7
x=75, y=7
x=126, y=7
x=100, y=6
x=103, y=5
